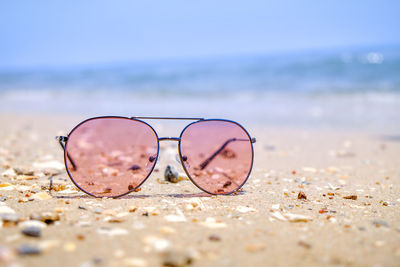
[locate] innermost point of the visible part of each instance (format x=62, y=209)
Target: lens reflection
x=111, y=156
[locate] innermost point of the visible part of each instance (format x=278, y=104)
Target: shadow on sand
x=130, y=196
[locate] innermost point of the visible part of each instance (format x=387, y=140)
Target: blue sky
x=58, y=33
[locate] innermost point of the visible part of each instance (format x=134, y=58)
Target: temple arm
x=209, y=159
x=61, y=140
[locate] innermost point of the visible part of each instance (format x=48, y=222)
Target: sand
x=348, y=213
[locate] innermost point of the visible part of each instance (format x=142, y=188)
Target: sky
x=78, y=32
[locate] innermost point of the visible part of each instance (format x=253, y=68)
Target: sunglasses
x=113, y=156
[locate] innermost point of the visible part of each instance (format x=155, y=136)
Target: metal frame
x=63, y=140
x=167, y=118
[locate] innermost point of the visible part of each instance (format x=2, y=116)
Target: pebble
x=304, y=244
x=379, y=243
x=42, y=196
x=179, y=217
x=32, y=231
x=98, y=210
x=177, y=259
x=32, y=223
x=29, y=250
x=112, y=231
x=136, y=262
x=132, y=208
x=301, y=195
x=333, y=187
x=113, y=219
x=56, y=165
x=277, y=215
x=10, y=218
x=167, y=230
x=194, y=204
x=6, y=187
x=138, y=225
x=97, y=260
x=157, y=244
x=171, y=174
x=379, y=223
x=151, y=210
x=309, y=169
x=353, y=197
x=214, y=238
x=69, y=247
x=388, y=204
x=297, y=217
x=47, y=245
x=46, y=217
x=255, y=247
x=244, y=209
x=275, y=206
x=6, y=254
x=22, y=171
x=213, y=223
x=9, y=173
x=6, y=210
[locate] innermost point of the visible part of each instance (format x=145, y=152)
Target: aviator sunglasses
x=113, y=156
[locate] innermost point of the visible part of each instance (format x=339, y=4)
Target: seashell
x=157, y=244
x=244, y=209
x=9, y=173
x=180, y=217
x=112, y=231
x=53, y=164
x=297, y=217
x=42, y=196
x=213, y=223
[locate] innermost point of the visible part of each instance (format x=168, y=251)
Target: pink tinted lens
x=217, y=155
x=110, y=156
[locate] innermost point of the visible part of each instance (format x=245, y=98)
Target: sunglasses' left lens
x=109, y=157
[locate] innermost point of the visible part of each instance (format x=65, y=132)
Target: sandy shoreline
x=164, y=223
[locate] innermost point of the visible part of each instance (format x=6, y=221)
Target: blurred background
x=330, y=64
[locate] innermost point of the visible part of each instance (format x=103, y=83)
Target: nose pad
x=177, y=158
x=152, y=158
x=185, y=161
x=149, y=164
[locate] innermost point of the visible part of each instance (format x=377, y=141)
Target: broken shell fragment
x=42, y=196
x=301, y=195
x=46, y=217
x=213, y=223
x=297, y=217
x=244, y=209
x=353, y=197
x=177, y=258
x=112, y=231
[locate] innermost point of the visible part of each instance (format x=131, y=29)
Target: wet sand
x=314, y=198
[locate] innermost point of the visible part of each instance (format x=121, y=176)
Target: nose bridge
x=169, y=139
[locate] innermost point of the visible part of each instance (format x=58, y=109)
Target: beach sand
x=350, y=217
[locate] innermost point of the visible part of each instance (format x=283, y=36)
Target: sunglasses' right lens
x=111, y=156
x=217, y=154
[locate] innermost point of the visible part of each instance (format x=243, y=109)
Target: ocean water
x=357, y=87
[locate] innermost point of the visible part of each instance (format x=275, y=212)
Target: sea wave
x=324, y=72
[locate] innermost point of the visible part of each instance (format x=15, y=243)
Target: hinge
x=62, y=138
